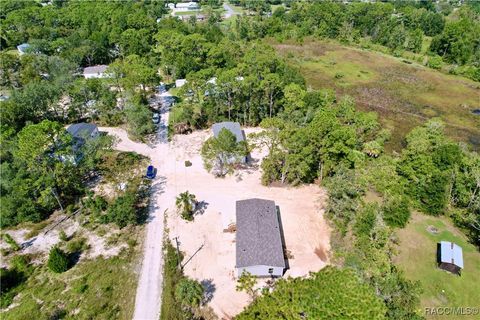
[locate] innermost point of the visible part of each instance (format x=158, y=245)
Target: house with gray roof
x=233, y=127
x=450, y=257
x=95, y=72
x=23, y=48
x=81, y=132
x=259, y=245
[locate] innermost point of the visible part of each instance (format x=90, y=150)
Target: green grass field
x=417, y=257
x=404, y=93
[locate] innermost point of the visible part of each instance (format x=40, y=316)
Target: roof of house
x=22, y=47
x=451, y=253
x=81, y=130
x=233, y=127
x=95, y=69
x=258, y=235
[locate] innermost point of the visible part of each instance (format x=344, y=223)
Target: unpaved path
x=149, y=290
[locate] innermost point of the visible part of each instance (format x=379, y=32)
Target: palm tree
x=186, y=204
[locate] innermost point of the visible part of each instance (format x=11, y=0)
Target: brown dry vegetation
x=404, y=94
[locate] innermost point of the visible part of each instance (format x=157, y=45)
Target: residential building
x=259, y=244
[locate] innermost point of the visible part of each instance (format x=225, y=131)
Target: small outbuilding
x=23, y=48
x=259, y=245
x=98, y=72
x=450, y=257
x=180, y=82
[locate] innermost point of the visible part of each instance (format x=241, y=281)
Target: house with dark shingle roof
x=450, y=257
x=259, y=246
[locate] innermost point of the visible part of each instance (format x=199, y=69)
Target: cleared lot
x=212, y=250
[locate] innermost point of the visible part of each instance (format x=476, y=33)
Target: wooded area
x=312, y=136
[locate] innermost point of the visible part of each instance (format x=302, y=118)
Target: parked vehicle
x=156, y=118
x=150, y=172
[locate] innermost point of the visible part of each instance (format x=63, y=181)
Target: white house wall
x=261, y=271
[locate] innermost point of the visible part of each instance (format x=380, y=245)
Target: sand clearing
x=306, y=232
x=209, y=251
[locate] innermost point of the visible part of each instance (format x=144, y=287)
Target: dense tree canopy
x=328, y=294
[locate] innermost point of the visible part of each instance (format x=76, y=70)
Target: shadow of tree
x=201, y=207
x=209, y=289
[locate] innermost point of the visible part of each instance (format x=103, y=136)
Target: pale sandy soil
x=306, y=232
x=40, y=245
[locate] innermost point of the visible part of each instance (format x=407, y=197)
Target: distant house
x=180, y=82
x=95, y=72
x=186, y=6
x=81, y=132
x=450, y=257
x=259, y=246
x=233, y=127
x=23, y=48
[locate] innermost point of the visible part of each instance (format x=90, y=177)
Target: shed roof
x=23, y=47
x=233, y=127
x=95, y=69
x=451, y=253
x=258, y=240
x=81, y=130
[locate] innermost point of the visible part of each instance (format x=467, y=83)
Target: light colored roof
x=180, y=82
x=22, y=47
x=258, y=237
x=451, y=253
x=233, y=127
x=81, y=130
x=182, y=5
x=95, y=69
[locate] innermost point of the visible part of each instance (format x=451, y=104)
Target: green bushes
x=12, y=278
x=57, y=260
x=396, y=211
x=189, y=292
x=11, y=242
x=331, y=293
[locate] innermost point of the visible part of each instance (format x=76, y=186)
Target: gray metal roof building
x=259, y=239
x=451, y=253
x=450, y=257
x=82, y=130
x=233, y=127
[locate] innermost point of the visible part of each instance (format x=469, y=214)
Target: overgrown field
x=404, y=93
x=417, y=257
x=94, y=289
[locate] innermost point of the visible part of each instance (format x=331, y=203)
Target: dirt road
x=149, y=291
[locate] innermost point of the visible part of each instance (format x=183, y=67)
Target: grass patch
x=417, y=257
x=93, y=289
x=171, y=309
x=403, y=94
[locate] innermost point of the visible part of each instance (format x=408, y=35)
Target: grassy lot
x=93, y=289
x=404, y=93
x=417, y=257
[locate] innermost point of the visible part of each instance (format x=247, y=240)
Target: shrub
x=189, y=292
x=11, y=242
x=62, y=236
x=57, y=260
x=77, y=245
x=123, y=211
x=435, y=62
x=396, y=212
